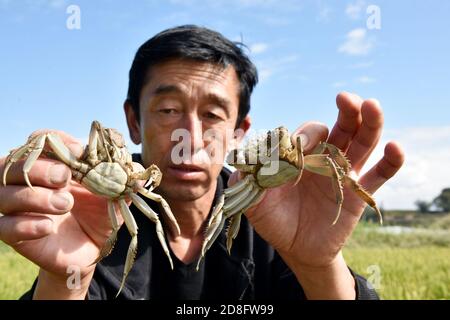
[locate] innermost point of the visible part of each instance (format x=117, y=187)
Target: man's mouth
x=186, y=171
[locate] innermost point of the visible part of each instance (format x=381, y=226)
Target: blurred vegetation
x=404, y=273
x=16, y=273
x=410, y=262
x=409, y=258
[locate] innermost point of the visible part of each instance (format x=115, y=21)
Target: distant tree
x=423, y=206
x=443, y=200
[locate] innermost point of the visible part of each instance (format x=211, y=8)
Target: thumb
x=312, y=133
x=14, y=229
x=234, y=178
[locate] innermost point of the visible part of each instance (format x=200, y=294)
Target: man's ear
x=243, y=126
x=133, y=123
x=240, y=132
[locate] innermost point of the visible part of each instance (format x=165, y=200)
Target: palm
x=309, y=233
x=77, y=236
x=297, y=220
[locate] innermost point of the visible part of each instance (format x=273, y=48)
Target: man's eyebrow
x=167, y=89
x=222, y=102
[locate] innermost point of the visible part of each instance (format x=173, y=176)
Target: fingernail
x=44, y=226
x=58, y=174
x=305, y=140
x=61, y=200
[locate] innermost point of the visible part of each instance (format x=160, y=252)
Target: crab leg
x=132, y=249
x=343, y=163
x=364, y=195
x=300, y=159
x=316, y=164
x=213, y=230
x=102, y=139
x=234, y=201
x=216, y=210
x=236, y=213
x=243, y=205
x=233, y=229
x=322, y=164
x=238, y=187
x=337, y=155
x=109, y=244
x=215, y=223
x=147, y=210
x=149, y=175
x=35, y=146
x=92, y=147
x=337, y=187
x=164, y=204
x=149, y=183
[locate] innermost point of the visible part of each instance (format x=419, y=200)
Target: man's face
x=196, y=104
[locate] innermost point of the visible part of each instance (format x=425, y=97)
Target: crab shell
x=262, y=158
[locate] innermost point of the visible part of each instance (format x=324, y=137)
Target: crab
x=106, y=169
x=270, y=161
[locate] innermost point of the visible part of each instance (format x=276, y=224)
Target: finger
x=74, y=145
x=348, y=121
x=234, y=178
x=15, y=173
x=14, y=229
x=23, y=199
x=368, y=134
x=385, y=169
x=45, y=172
x=311, y=133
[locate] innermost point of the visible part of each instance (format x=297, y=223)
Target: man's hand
x=297, y=220
x=58, y=225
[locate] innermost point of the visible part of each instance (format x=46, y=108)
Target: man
x=194, y=79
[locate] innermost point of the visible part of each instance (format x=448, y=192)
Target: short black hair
x=193, y=43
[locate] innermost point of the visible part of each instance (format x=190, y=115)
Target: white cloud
x=268, y=67
x=258, y=48
x=339, y=84
x=354, y=10
x=324, y=11
x=426, y=170
x=365, y=80
x=357, y=43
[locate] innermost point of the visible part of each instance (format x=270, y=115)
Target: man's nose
x=194, y=125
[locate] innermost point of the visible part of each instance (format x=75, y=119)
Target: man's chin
x=182, y=191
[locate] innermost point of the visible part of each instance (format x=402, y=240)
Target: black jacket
x=254, y=270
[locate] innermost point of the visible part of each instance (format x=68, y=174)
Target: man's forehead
x=192, y=70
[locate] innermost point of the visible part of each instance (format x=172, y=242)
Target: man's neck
x=191, y=217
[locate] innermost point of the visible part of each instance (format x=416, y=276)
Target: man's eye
x=168, y=111
x=213, y=116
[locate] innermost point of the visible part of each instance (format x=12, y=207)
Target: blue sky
x=306, y=52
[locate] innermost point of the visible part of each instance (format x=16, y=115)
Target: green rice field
x=413, y=263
